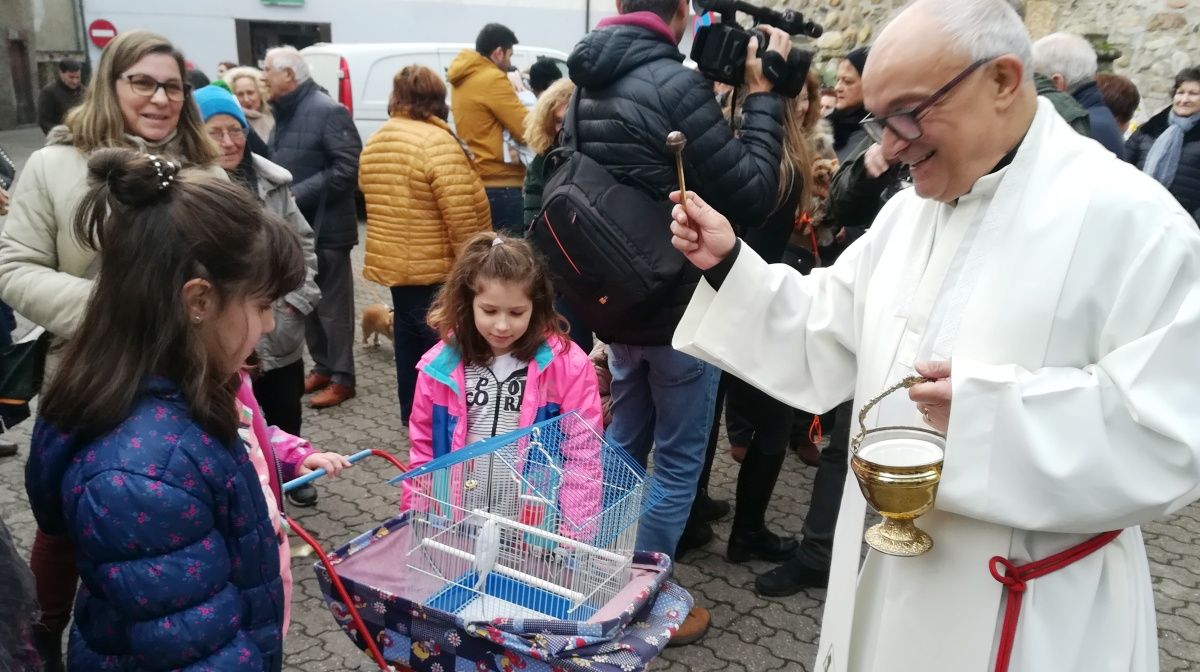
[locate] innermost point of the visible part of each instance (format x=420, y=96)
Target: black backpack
x=607, y=244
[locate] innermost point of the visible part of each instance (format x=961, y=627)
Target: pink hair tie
x=497, y=241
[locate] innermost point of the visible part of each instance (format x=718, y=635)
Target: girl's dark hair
x=156, y=231
x=481, y=260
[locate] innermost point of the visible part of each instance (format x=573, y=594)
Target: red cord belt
x=1015, y=577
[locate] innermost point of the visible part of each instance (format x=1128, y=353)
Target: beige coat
x=45, y=272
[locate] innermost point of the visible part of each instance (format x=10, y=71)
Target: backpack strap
x=569, y=140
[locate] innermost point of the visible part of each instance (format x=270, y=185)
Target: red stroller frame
x=361, y=627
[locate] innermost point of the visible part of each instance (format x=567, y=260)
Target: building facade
x=242, y=30
x=34, y=36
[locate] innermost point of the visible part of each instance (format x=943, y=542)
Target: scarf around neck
x=1163, y=159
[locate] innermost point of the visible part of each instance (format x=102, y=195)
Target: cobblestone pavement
x=749, y=633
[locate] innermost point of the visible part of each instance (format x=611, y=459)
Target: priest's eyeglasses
x=906, y=124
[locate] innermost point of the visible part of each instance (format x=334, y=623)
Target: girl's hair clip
x=166, y=171
x=497, y=241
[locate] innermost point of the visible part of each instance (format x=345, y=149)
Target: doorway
x=254, y=38
x=22, y=78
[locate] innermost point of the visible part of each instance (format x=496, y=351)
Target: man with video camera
x=633, y=91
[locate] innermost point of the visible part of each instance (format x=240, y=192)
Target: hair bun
x=133, y=179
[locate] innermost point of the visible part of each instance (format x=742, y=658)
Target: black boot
x=762, y=544
x=695, y=535
x=708, y=510
x=790, y=578
x=49, y=649
x=303, y=496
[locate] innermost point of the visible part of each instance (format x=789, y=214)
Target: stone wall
x=1155, y=38
x=1147, y=40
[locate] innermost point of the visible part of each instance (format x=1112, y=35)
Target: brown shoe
x=692, y=628
x=807, y=451
x=315, y=381
x=331, y=396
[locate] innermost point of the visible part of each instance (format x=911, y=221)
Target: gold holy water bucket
x=898, y=470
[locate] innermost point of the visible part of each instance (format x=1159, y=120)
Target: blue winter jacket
x=178, y=558
x=1104, y=125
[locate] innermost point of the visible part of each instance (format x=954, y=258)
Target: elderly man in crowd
x=315, y=139
x=1069, y=61
x=1051, y=295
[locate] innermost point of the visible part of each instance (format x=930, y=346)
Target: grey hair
x=982, y=29
x=1065, y=54
x=288, y=58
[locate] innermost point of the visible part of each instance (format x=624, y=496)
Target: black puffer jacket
x=635, y=90
x=315, y=139
x=850, y=139
x=1186, y=187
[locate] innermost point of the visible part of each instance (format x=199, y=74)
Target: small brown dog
x=376, y=320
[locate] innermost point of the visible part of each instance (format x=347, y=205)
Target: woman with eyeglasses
x=138, y=99
x=279, y=374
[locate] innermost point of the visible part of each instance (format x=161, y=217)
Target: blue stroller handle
x=318, y=473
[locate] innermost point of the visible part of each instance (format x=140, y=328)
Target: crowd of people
x=927, y=213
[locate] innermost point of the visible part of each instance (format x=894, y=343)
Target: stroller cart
x=515, y=553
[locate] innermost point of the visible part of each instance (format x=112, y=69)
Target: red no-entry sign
x=101, y=32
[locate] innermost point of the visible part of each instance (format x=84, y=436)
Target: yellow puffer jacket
x=485, y=105
x=424, y=200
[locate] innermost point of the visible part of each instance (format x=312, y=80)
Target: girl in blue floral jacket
x=136, y=455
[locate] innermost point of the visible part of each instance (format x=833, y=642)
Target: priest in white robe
x=1054, y=293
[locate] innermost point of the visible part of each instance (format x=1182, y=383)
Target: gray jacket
x=285, y=344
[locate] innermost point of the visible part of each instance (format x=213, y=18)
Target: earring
x=196, y=319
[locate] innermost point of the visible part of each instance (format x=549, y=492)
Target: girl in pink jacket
x=505, y=362
x=278, y=457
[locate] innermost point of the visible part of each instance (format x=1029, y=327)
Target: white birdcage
x=537, y=523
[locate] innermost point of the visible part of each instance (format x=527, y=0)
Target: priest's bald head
x=950, y=88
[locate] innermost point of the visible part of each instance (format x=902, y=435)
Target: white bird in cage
x=487, y=549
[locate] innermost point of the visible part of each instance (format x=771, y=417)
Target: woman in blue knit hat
x=280, y=383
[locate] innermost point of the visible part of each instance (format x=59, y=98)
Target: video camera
x=720, y=49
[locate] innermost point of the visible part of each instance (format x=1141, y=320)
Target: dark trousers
x=411, y=338
x=8, y=322
x=508, y=210
x=329, y=330
x=52, y=560
x=278, y=392
x=770, y=422
x=816, y=549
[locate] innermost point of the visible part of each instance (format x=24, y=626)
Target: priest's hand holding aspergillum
x=933, y=398
x=702, y=234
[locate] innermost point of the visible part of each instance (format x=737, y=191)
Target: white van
x=359, y=76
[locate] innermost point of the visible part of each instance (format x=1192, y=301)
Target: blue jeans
x=508, y=210
x=664, y=398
